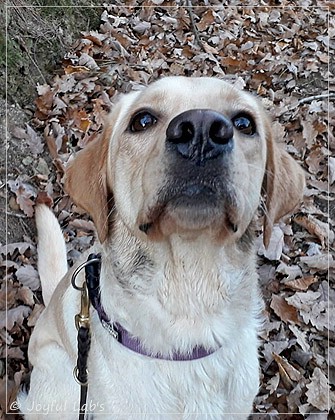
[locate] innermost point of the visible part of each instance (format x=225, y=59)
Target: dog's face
x=187, y=155
x=184, y=155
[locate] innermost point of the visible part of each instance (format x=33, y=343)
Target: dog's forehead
x=196, y=92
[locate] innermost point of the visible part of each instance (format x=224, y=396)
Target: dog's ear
x=86, y=181
x=284, y=185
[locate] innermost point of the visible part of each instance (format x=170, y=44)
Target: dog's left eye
x=245, y=124
x=142, y=121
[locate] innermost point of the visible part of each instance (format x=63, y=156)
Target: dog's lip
x=194, y=196
x=196, y=190
x=205, y=200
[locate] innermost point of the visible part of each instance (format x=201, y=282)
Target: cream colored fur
x=52, y=266
x=189, y=280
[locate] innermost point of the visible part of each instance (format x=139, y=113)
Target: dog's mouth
x=195, y=193
x=192, y=206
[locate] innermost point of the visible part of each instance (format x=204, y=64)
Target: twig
x=37, y=68
x=189, y=7
x=315, y=97
x=18, y=215
x=308, y=99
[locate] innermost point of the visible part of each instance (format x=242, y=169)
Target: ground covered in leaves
x=282, y=52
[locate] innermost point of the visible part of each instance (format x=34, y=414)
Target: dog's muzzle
x=198, y=192
x=200, y=135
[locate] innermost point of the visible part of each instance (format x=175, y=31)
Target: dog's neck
x=175, y=288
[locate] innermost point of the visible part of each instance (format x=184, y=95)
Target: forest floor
x=64, y=68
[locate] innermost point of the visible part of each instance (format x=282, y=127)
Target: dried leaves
x=279, y=52
x=24, y=194
x=318, y=391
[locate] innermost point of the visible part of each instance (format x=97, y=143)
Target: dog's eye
x=142, y=121
x=245, y=124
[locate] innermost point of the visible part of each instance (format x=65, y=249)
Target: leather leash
x=82, y=321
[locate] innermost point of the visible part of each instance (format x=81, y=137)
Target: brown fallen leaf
x=301, y=337
x=25, y=202
x=80, y=120
x=76, y=69
x=313, y=226
x=34, y=141
x=315, y=159
x=318, y=391
x=301, y=284
x=288, y=373
x=44, y=102
x=7, y=295
x=319, y=262
x=14, y=315
x=283, y=310
x=291, y=271
x=15, y=353
x=273, y=383
x=28, y=276
x=96, y=37
x=209, y=49
x=20, y=247
x=8, y=392
x=52, y=147
x=24, y=193
x=206, y=20
x=314, y=307
x=87, y=61
x=25, y=295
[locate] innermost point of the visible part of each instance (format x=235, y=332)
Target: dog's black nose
x=200, y=134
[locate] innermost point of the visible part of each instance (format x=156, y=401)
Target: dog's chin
x=187, y=216
x=190, y=212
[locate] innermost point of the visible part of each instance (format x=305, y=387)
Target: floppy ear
x=86, y=181
x=284, y=186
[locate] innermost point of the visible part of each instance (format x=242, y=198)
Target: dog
x=173, y=187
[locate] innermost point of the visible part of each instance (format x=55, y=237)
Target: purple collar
x=134, y=344
x=117, y=331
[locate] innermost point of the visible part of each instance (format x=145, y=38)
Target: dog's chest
x=122, y=381
x=131, y=384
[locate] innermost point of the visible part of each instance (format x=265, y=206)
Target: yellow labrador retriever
x=172, y=186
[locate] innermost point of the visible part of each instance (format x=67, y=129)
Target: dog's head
x=185, y=155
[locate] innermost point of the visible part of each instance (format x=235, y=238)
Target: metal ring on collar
x=78, y=269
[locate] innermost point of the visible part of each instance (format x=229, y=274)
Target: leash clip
x=83, y=318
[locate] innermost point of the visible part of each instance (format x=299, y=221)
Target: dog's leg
x=52, y=262
x=52, y=395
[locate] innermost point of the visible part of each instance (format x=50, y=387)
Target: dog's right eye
x=245, y=124
x=142, y=121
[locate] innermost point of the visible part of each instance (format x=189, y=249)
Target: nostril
x=187, y=132
x=181, y=133
x=220, y=132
